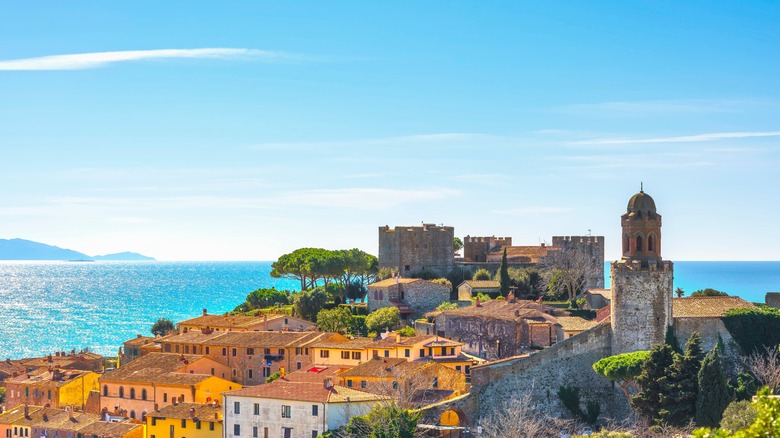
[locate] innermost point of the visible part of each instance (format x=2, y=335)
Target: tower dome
x=641, y=204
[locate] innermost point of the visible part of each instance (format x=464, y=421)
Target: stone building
x=501, y=328
x=476, y=249
x=409, y=250
x=471, y=288
x=412, y=296
x=641, y=280
x=56, y=388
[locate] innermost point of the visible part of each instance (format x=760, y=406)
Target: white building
x=285, y=409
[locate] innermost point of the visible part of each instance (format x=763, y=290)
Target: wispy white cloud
x=445, y=137
x=83, y=61
x=681, y=139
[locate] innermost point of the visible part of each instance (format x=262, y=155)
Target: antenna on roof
x=641, y=187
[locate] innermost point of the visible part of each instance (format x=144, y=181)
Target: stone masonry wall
x=567, y=363
x=424, y=296
x=593, y=247
x=428, y=248
x=641, y=306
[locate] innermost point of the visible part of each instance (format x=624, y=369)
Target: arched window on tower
x=638, y=243
x=625, y=244
x=650, y=243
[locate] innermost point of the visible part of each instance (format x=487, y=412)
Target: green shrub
x=738, y=415
x=406, y=332
x=272, y=377
x=753, y=329
x=446, y=306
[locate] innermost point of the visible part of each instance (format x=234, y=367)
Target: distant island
x=21, y=249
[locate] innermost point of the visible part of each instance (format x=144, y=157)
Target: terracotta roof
x=520, y=254
x=157, y=368
x=402, y=307
x=203, y=412
x=462, y=357
x=45, y=379
x=228, y=321
x=106, y=429
x=305, y=391
x=575, y=323
x=139, y=340
x=264, y=339
x=392, y=281
x=502, y=309
x=482, y=284
x=430, y=340
x=16, y=415
x=385, y=367
x=193, y=337
x=706, y=307
x=62, y=420
x=315, y=373
x=9, y=367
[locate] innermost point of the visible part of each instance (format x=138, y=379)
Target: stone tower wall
x=593, y=247
x=415, y=249
x=475, y=248
x=641, y=304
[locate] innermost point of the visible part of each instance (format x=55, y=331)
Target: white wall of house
x=301, y=421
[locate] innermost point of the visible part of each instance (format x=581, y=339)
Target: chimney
x=49, y=358
x=26, y=411
x=265, y=322
x=8, y=361
x=327, y=383
x=204, y=312
x=70, y=413
x=138, y=335
x=476, y=302
x=192, y=413
x=57, y=353
x=156, y=407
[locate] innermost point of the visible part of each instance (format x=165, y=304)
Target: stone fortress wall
x=426, y=248
x=593, y=247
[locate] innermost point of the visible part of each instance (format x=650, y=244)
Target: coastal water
x=50, y=306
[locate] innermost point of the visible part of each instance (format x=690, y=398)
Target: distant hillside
x=21, y=249
x=127, y=255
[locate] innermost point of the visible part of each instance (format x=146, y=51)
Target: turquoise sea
x=50, y=306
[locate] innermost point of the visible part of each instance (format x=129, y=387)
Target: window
x=315, y=410
x=285, y=321
x=468, y=368
x=224, y=351
x=208, y=350
x=211, y=425
x=237, y=407
x=324, y=353
x=257, y=408
x=48, y=394
x=237, y=430
x=250, y=374
x=345, y=354
x=435, y=382
x=406, y=268
x=638, y=243
x=297, y=365
x=407, y=352
x=250, y=351
x=457, y=368
x=197, y=424
x=349, y=383
x=176, y=347
x=254, y=431
x=36, y=393
x=144, y=395
x=287, y=432
x=234, y=352
x=105, y=390
x=356, y=355
x=187, y=349
x=306, y=351
x=121, y=392
x=154, y=421
x=650, y=243
x=281, y=352
x=286, y=411
x=266, y=372
x=314, y=434
x=132, y=393
x=375, y=353
x=452, y=350
x=183, y=423
x=265, y=432
x=362, y=383
x=422, y=352
x=395, y=384
x=298, y=351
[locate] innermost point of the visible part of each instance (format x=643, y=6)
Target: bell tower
x=641, y=307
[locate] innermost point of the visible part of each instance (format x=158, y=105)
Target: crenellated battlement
x=560, y=241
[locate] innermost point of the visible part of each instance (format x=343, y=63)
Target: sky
x=245, y=130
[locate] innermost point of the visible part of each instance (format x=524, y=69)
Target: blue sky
x=195, y=131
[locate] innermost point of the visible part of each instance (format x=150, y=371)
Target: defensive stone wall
x=427, y=248
x=709, y=329
x=593, y=247
x=567, y=363
x=641, y=306
x=475, y=248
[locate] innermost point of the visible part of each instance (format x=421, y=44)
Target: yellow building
x=37, y=422
x=340, y=350
x=190, y=420
x=160, y=379
x=56, y=388
x=426, y=348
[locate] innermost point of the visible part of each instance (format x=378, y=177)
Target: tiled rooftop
x=157, y=368
x=203, y=412
x=707, y=307
x=304, y=391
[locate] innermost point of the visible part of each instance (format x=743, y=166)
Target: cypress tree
x=671, y=340
x=714, y=393
x=678, y=399
x=652, y=382
x=504, y=275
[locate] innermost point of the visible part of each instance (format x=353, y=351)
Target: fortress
x=429, y=249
